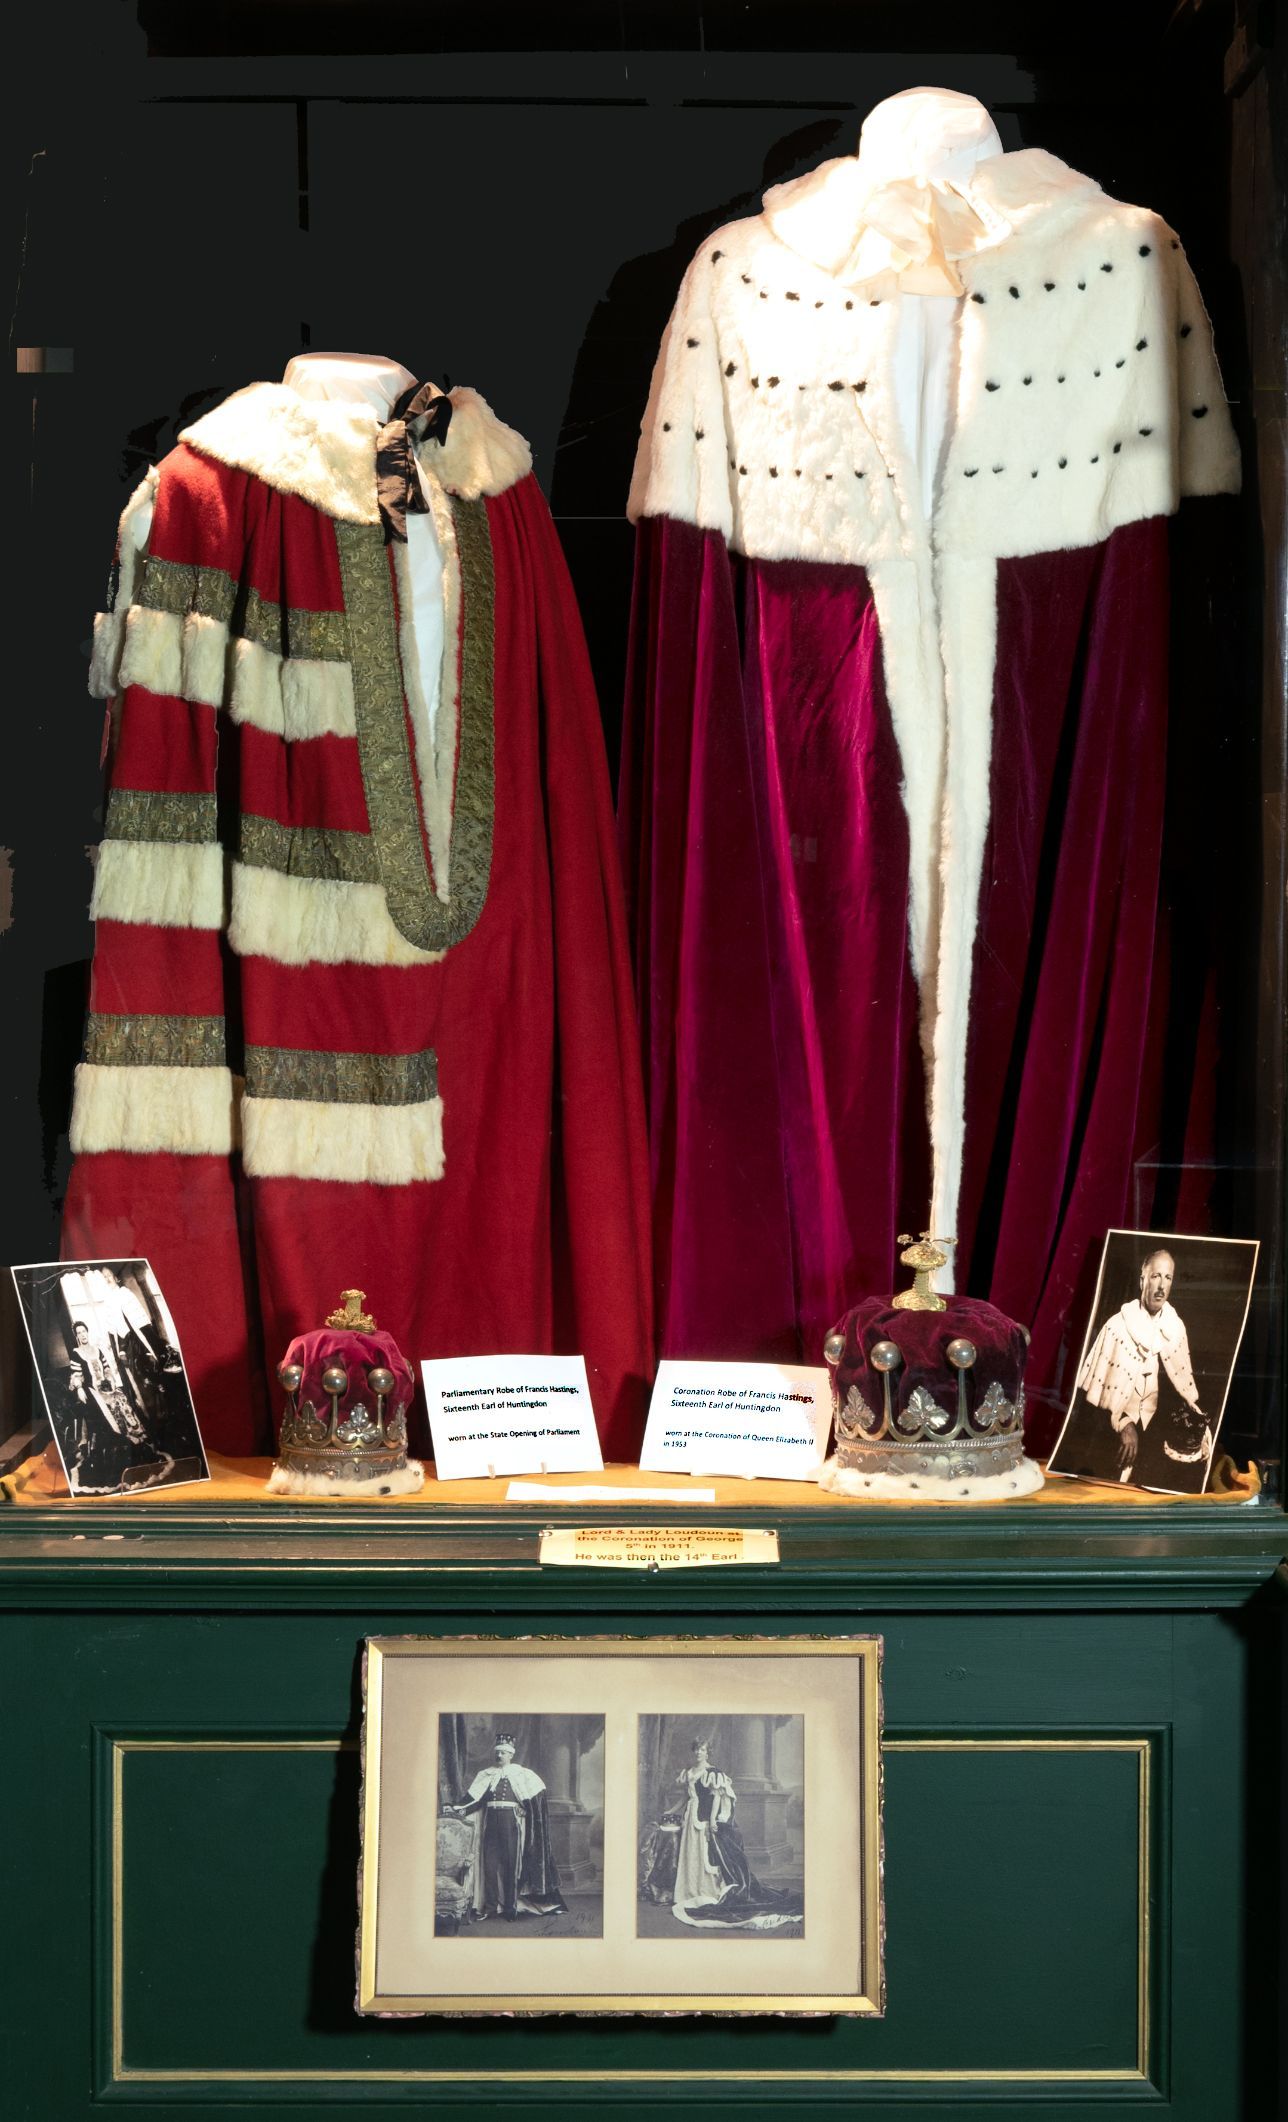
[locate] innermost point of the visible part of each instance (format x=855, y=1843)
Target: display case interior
x=675, y=929
x=512, y=202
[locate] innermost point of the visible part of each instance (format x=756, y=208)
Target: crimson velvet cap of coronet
x=922, y=1340
x=357, y=1354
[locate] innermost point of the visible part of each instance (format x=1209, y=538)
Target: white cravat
x=917, y=154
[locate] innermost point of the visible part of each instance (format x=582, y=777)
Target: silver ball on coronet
x=381, y=1381
x=885, y=1355
x=961, y=1354
x=834, y=1346
x=290, y=1376
x=335, y=1379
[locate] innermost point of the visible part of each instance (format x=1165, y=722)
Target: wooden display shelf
x=39, y=1482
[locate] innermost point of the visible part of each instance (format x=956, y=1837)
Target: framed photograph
x=621, y=1824
x=111, y=1374
x=1156, y=1364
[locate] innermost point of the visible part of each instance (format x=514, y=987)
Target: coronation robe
x=1114, y=1431
x=360, y=1008
x=892, y=782
x=513, y=1870
x=1120, y=1374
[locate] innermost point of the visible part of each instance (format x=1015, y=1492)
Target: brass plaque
x=657, y=1546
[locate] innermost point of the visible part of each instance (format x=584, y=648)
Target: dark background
x=507, y=196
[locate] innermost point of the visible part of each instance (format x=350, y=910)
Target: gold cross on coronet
x=350, y=1313
x=924, y=1255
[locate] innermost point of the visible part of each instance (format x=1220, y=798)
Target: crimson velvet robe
x=361, y=1008
x=892, y=787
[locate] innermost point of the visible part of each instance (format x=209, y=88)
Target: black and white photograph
x=722, y=1819
x=520, y=1825
x=1157, y=1361
x=545, y=1817
x=111, y=1373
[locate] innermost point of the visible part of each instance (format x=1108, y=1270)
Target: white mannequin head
x=370, y=379
x=926, y=133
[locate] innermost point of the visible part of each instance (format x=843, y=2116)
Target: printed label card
x=767, y=1421
x=510, y=1415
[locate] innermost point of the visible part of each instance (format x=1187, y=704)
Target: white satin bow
x=916, y=229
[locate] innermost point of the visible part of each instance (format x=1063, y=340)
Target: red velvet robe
x=891, y=798
x=361, y=1008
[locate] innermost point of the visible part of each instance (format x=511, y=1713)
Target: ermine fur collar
x=324, y=450
x=1086, y=392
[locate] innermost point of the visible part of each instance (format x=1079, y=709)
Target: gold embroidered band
x=139, y=814
x=170, y=586
x=341, y=1079
x=384, y=745
x=288, y=630
x=155, y=1042
x=309, y=851
x=320, y=637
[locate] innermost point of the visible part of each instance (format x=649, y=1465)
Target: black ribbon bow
x=398, y=487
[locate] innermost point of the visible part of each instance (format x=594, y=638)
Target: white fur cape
x=1086, y=396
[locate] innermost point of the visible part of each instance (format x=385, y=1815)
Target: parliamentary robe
x=361, y=1009
x=893, y=775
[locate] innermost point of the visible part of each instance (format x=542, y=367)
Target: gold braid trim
x=318, y=637
x=341, y=1079
x=172, y=586
x=155, y=1042
x=384, y=745
x=138, y=814
x=308, y=851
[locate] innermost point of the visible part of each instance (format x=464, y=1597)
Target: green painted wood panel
x=1012, y=1869
x=1059, y=1885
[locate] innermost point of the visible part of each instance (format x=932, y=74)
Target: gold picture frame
x=697, y=1826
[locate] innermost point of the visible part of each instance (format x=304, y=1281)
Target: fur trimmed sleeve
x=155, y=1075
x=155, y=1112
x=682, y=464
x=1207, y=448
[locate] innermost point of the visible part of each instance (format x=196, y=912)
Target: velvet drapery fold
x=766, y=854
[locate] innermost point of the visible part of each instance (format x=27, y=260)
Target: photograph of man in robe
x=516, y=1844
x=697, y=1846
x=111, y=1374
x=1152, y=1382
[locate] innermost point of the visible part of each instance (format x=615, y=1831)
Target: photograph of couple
x=521, y=1813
